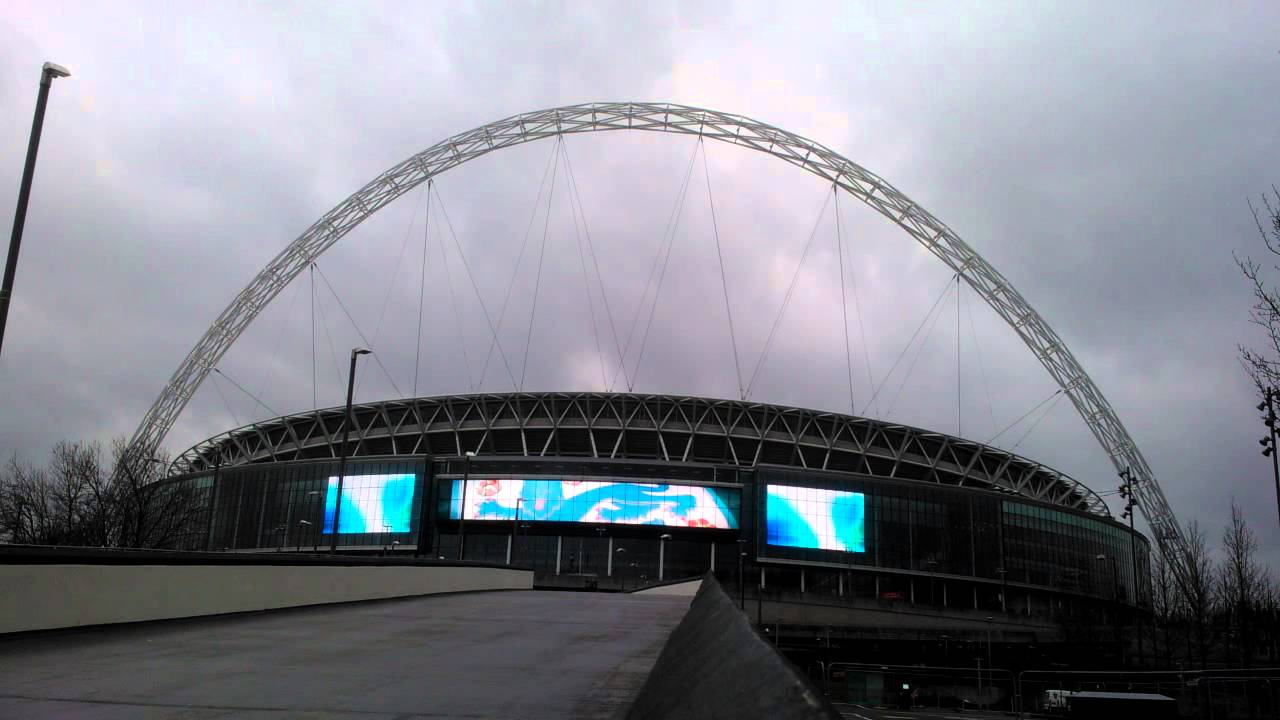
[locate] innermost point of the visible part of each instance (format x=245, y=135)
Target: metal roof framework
x=806, y=154
x=640, y=427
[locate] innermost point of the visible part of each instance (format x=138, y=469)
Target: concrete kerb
x=715, y=665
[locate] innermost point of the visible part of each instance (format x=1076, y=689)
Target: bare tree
x=77, y=500
x=1238, y=582
x=1164, y=604
x=1263, y=365
x=1198, y=590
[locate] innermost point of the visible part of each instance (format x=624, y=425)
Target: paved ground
x=479, y=655
x=864, y=712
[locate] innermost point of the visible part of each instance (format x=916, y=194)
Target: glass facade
x=953, y=531
x=631, y=522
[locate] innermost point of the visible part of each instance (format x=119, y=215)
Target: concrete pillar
x=911, y=589
x=761, y=578
x=609, y=572
x=840, y=585
x=802, y=580
x=944, y=593
x=713, y=557
x=508, y=549
x=559, y=545
x=975, y=597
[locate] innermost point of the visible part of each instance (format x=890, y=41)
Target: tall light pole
x=1126, y=491
x=342, y=457
x=1270, y=396
x=47, y=74
x=515, y=532
x=662, y=547
x=462, y=512
x=1115, y=600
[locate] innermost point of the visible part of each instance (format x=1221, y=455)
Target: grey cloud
x=1101, y=159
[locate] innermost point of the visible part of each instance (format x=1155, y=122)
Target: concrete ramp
x=514, y=654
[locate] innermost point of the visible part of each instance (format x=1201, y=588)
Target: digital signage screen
x=815, y=518
x=599, y=502
x=370, y=503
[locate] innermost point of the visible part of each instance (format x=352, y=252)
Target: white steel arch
x=818, y=159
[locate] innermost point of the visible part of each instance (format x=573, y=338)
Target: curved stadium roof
x=641, y=427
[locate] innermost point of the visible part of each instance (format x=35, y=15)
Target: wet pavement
x=524, y=654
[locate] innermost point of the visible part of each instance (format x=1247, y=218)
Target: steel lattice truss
x=640, y=427
x=871, y=189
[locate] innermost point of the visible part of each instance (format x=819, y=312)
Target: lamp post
x=515, y=532
x=1126, y=491
x=462, y=512
x=315, y=535
x=342, y=457
x=1115, y=601
x=1270, y=397
x=989, y=665
x=662, y=547
x=47, y=73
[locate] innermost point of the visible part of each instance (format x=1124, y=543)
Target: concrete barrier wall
x=48, y=596
x=715, y=665
x=687, y=588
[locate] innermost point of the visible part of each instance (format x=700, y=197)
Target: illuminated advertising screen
x=815, y=518
x=370, y=503
x=600, y=502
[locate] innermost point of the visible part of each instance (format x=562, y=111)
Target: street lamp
x=1115, y=600
x=462, y=513
x=662, y=546
x=515, y=532
x=47, y=73
x=1127, y=492
x=342, y=457
x=1270, y=396
x=315, y=535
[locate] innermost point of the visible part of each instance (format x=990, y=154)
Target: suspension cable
x=959, y=377
x=246, y=392
x=453, y=304
x=324, y=321
x=506, y=300
x=844, y=302
x=915, y=358
x=422, y=284
x=907, y=347
x=234, y=417
x=982, y=372
x=724, y=283
x=391, y=284
x=364, y=339
x=786, y=300
x=275, y=349
x=673, y=223
x=1040, y=419
x=586, y=230
x=586, y=280
x=862, y=327
x=537, y=282
x=1024, y=416
x=312, y=272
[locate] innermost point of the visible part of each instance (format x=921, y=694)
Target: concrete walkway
x=526, y=654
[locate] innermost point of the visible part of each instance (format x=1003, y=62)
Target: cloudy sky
x=1101, y=158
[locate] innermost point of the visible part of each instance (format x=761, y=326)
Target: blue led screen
x=815, y=518
x=371, y=503
x=599, y=502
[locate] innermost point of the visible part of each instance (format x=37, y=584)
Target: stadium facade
x=620, y=490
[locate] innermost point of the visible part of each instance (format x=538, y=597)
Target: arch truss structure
x=806, y=154
x=666, y=428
